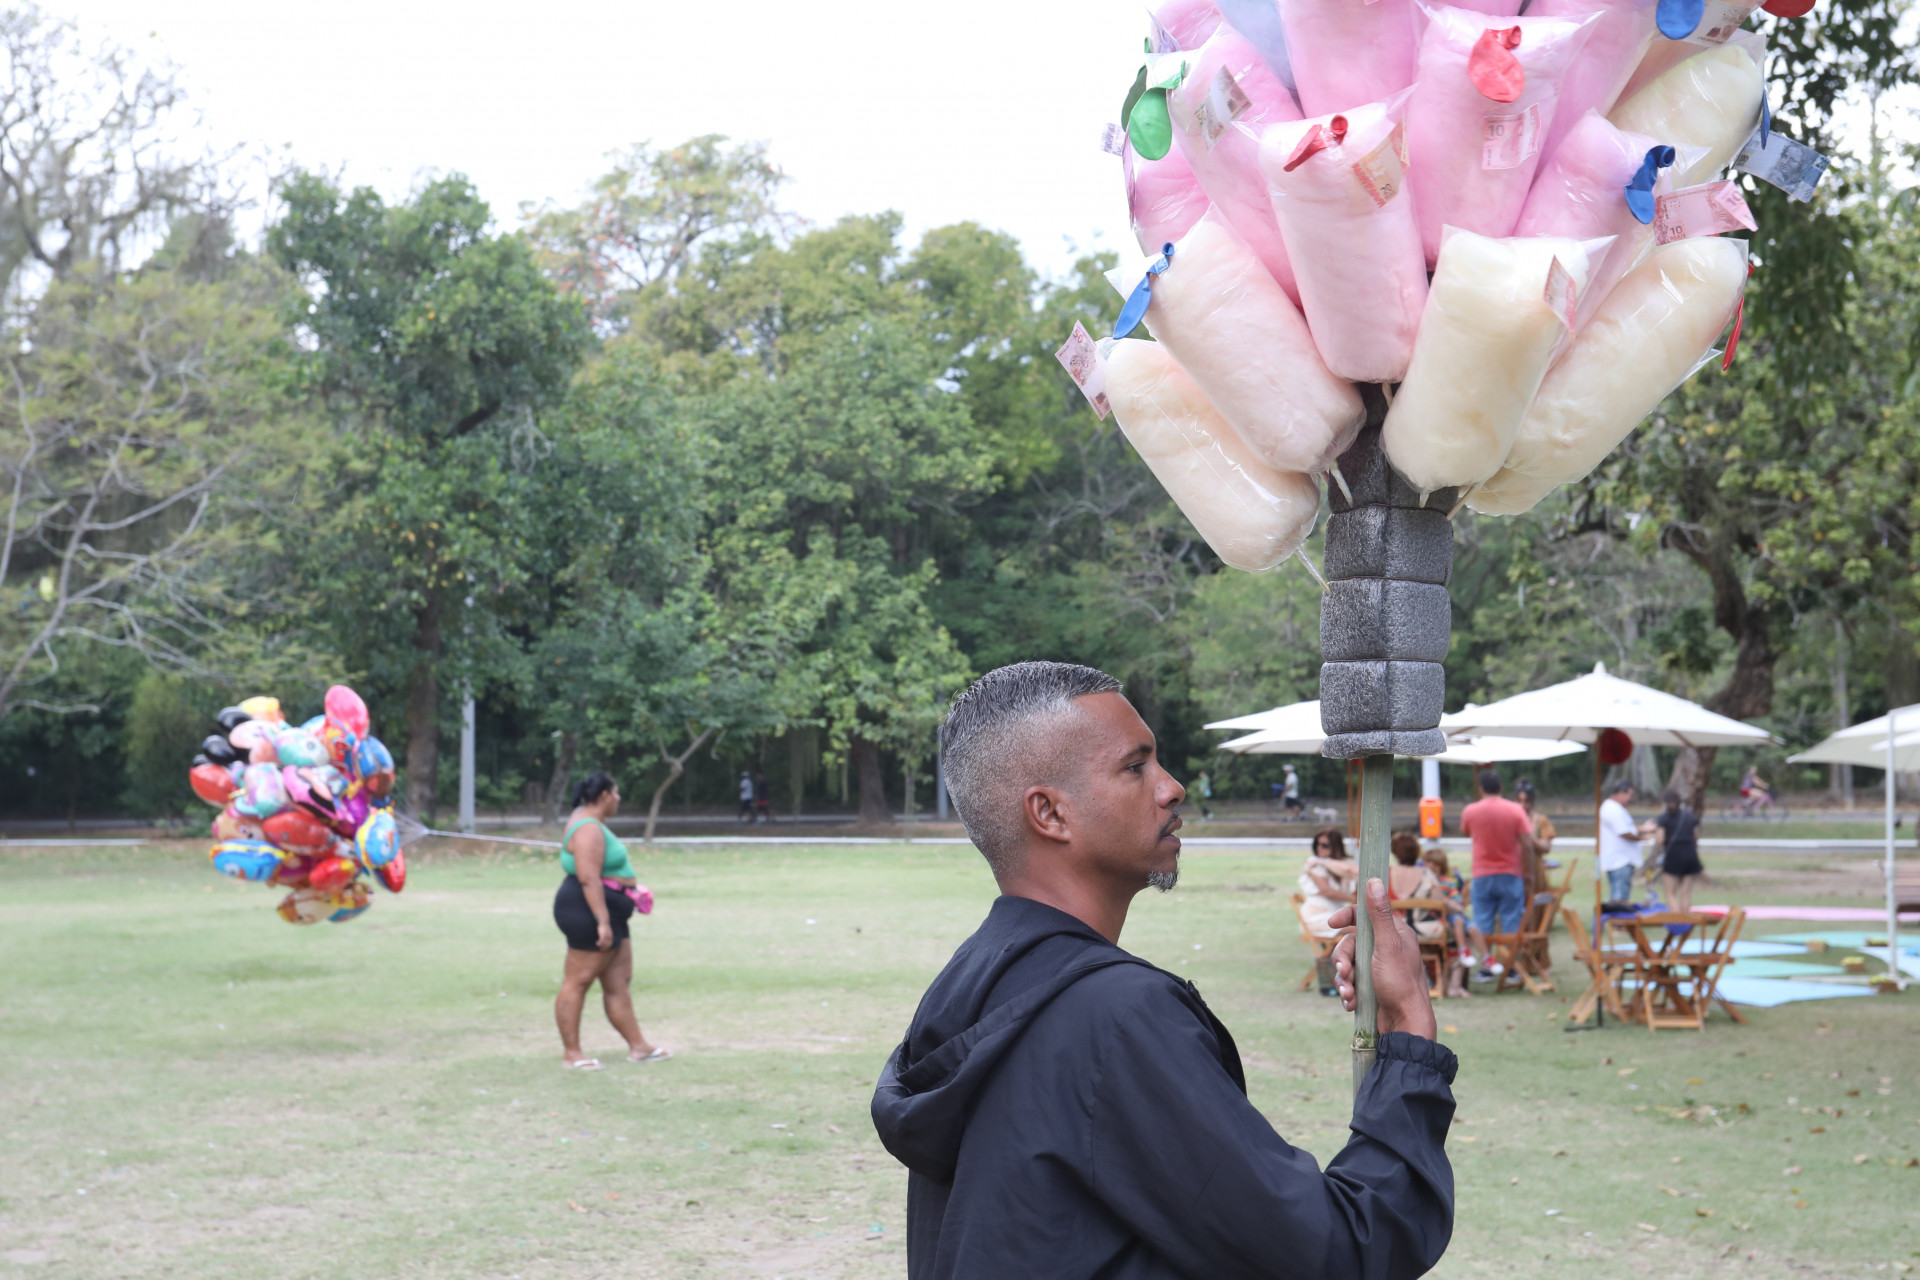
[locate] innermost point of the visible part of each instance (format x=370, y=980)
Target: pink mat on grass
x=1811, y=913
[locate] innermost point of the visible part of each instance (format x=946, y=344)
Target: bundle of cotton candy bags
x=1311, y=183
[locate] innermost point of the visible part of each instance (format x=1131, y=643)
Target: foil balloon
x=346, y=709
x=332, y=872
x=378, y=840
x=211, y=783
x=393, y=876
x=374, y=764
x=351, y=811
x=298, y=831
x=297, y=747
x=263, y=708
x=219, y=750
x=263, y=793
x=246, y=859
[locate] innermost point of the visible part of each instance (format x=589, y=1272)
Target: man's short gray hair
x=993, y=746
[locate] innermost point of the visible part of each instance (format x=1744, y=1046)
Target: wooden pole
x=1598, y=874
x=1376, y=831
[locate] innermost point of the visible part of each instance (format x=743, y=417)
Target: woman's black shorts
x=575, y=917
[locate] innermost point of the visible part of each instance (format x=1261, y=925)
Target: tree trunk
x=1748, y=692
x=423, y=712
x=1840, y=779
x=562, y=774
x=676, y=765
x=873, y=789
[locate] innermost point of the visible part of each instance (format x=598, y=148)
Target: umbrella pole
x=1598, y=875
x=1893, y=898
x=1376, y=830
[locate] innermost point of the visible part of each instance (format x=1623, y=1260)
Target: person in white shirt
x=1620, y=838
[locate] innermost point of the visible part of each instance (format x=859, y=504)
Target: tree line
x=674, y=484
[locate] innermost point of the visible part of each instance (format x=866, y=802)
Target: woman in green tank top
x=592, y=909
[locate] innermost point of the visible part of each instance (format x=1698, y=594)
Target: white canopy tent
x=1882, y=743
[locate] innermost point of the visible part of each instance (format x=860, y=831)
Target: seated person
x=1467, y=938
x=1327, y=881
x=1409, y=878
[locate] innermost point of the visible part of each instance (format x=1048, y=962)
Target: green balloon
x=1149, y=127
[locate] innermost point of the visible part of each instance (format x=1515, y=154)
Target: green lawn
x=194, y=1088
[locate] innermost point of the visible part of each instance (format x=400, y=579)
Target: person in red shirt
x=1502, y=841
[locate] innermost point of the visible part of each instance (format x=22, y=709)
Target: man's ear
x=1045, y=812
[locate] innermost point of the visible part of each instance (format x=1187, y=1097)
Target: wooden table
x=1669, y=993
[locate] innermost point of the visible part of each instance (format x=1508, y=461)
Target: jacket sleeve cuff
x=1418, y=1050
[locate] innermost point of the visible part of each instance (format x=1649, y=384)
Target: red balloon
x=212, y=783
x=1613, y=747
x=394, y=874
x=332, y=873
x=380, y=785
x=1788, y=8
x=347, y=709
x=297, y=831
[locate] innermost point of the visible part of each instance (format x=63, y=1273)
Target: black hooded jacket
x=1068, y=1110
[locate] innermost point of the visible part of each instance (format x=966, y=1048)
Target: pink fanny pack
x=641, y=895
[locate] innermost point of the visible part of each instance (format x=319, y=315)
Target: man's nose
x=1179, y=792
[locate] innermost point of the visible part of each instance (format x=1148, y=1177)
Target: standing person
x=1204, y=785
x=592, y=909
x=1502, y=841
x=762, y=798
x=1620, y=839
x=746, y=797
x=1290, y=796
x=1543, y=835
x=1067, y=1110
x=1680, y=865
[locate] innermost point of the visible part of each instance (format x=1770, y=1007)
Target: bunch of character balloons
x=303, y=806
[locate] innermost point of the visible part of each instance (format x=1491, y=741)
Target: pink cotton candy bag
x=1163, y=197
x=1475, y=153
x=1622, y=32
x=1338, y=185
x=1227, y=97
x=1347, y=53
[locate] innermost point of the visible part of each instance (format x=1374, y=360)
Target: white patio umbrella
x=1878, y=744
x=1581, y=710
x=1498, y=750
x=1292, y=730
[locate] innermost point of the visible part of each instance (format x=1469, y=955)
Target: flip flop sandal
x=658, y=1055
x=585, y=1064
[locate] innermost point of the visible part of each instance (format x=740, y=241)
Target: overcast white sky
x=987, y=110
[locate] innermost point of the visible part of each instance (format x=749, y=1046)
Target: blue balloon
x=246, y=859
x=378, y=840
x=372, y=757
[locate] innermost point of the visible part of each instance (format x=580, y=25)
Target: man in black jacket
x=1067, y=1110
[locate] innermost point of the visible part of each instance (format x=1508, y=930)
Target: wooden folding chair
x=1605, y=970
x=1435, y=953
x=1709, y=963
x=1519, y=952
x=1322, y=947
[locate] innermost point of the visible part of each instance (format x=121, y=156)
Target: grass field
x=195, y=1089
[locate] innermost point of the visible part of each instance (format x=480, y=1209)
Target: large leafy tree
x=145, y=429
x=436, y=343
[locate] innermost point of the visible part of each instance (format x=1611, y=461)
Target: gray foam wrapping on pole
x=1386, y=621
